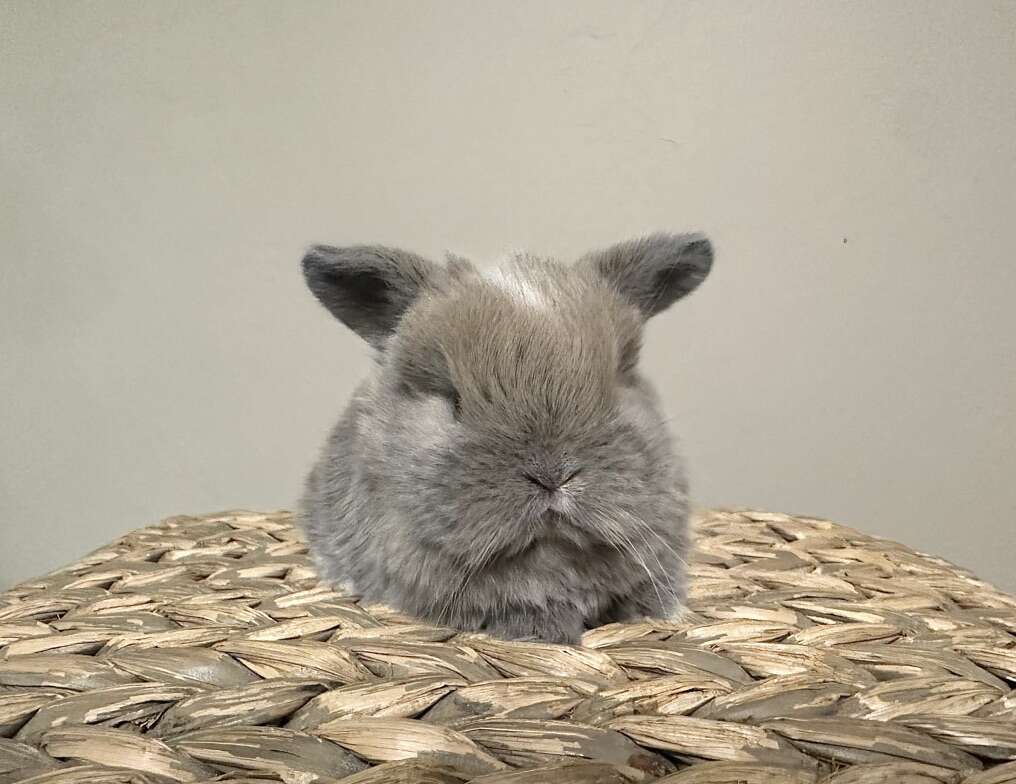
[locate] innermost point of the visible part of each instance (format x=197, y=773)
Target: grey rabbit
x=504, y=468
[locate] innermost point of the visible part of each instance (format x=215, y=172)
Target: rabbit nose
x=551, y=481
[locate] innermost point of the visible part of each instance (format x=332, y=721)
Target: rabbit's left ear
x=368, y=287
x=655, y=271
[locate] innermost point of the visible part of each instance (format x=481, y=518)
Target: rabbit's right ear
x=367, y=287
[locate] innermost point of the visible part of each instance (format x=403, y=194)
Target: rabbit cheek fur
x=504, y=468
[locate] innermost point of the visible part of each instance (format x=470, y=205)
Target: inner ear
x=368, y=288
x=360, y=298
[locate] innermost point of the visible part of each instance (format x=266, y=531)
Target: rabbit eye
x=628, y=358
x=422, y=390
x=626, y=370
x=456, y=401
x=451, y=396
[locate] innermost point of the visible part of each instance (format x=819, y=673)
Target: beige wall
x=163, y=165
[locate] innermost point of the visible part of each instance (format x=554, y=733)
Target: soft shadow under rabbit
x=504, y=468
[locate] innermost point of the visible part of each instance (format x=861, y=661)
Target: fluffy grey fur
x=504, y=468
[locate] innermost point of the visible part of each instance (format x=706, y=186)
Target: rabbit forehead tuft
x=531, y=282
x=529, y=325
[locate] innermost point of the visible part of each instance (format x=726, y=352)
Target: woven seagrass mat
x=203, y=648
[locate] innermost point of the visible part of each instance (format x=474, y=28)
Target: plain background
x=164, y=165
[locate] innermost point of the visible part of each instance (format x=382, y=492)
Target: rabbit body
x=504, y=468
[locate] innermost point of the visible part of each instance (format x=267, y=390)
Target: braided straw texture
x=203, y=648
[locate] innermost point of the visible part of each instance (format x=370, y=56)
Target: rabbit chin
x=564, y=524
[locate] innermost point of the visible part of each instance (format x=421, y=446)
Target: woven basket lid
x=203, y=648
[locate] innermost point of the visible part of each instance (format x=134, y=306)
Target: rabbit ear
x=367, y=288
x=655, y=271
